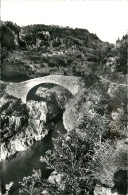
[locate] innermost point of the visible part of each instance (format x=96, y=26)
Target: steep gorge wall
x=24, y=124
x=17, y=136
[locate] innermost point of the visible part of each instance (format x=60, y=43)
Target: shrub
x=109, y=158
x=71, y=159
x=121, y=65
x=87, y=113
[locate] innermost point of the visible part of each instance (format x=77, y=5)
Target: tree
x=7, y=36
x=71, y=159
x=122, y=55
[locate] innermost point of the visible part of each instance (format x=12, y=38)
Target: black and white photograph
x=63, y=97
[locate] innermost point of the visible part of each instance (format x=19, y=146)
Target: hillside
x=83, y=138
x=39, y=50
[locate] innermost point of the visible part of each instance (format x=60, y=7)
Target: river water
x=22, y=163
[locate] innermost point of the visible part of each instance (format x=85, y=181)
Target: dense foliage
x=70, y=159
x=90, y=153
x=39, y=50
x=96, y=118
x=8, y=31
x=122, y=53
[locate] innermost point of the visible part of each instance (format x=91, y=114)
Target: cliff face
x=20, y=132
x=16, y=135
x=23, y=124
x=14, y=116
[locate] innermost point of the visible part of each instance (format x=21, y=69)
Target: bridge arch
x=20, y=90
x=48, y=88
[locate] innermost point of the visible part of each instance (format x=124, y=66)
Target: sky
x=106, y=18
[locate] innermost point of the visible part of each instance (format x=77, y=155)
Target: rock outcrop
x=17, y=136
x=23, y=124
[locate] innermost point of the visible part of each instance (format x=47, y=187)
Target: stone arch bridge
x=21, y=90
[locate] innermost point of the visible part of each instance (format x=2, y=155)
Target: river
x=22, y=163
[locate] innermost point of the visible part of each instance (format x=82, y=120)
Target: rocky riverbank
x=24, y=124
x=23, y=136
x=95, y=113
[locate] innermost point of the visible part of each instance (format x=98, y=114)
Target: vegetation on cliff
x=38, y=50
x=93, y=152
